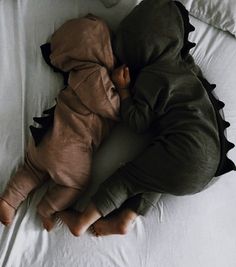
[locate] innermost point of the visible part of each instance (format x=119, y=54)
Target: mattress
x=197, y=230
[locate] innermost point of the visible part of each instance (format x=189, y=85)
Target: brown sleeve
x=98, y=94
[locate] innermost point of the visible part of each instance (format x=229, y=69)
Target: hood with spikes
x=153, y=31
x=82, y=40
x=153, y=38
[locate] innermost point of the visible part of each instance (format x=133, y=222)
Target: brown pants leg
x=57, y=198
x=71, y=176
x=27, y=178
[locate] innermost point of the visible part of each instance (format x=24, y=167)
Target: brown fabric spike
x=50, y=110
x=38, y=134
x=44, y=121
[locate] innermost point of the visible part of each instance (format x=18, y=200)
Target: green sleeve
x=139, y=111
x=137, y=115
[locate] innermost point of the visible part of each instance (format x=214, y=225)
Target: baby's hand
x=121, y=78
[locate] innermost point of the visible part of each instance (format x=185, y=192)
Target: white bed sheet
x=196, y=231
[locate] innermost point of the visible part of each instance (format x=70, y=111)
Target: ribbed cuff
x=12, y=197
x=111, y=194
x=103, y=203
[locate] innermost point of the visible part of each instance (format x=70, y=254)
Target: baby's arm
x=97, y=92
x=136, y=111
x=121, y=80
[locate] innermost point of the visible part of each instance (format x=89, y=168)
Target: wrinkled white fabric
x=187, y=231
x=218, y=13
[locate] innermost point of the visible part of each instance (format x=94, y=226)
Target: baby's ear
x=91, y=16
x=110, y=3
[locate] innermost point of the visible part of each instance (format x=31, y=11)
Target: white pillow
x=218, y=13
x=110, y=3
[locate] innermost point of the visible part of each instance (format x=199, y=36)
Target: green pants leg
x=142, y=203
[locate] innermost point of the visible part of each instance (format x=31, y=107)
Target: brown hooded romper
x=84, y=114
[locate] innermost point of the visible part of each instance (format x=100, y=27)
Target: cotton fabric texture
x=220, y=14
x=84, y=114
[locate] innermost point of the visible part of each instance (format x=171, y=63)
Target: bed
x=196, y=231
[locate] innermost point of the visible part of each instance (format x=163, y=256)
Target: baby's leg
x=7, y=212
x=117, y=222
x=120, y=220
x=56, y=199
x=78, y=222
x=76, y=173
x=27, y=178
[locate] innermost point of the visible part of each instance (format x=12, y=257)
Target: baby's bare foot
x=118, y=224
x=79, y=222
x=7, y=212
x=75, y=221
x=48, y=223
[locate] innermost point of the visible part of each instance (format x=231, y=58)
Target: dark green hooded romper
x=173, y=100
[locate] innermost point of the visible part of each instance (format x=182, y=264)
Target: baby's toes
x=93, y=230
x=7, y=212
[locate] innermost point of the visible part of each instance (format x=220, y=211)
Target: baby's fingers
x=126, y=73
x=119, y=71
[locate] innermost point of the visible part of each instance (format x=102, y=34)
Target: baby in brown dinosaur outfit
x=84, y=114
